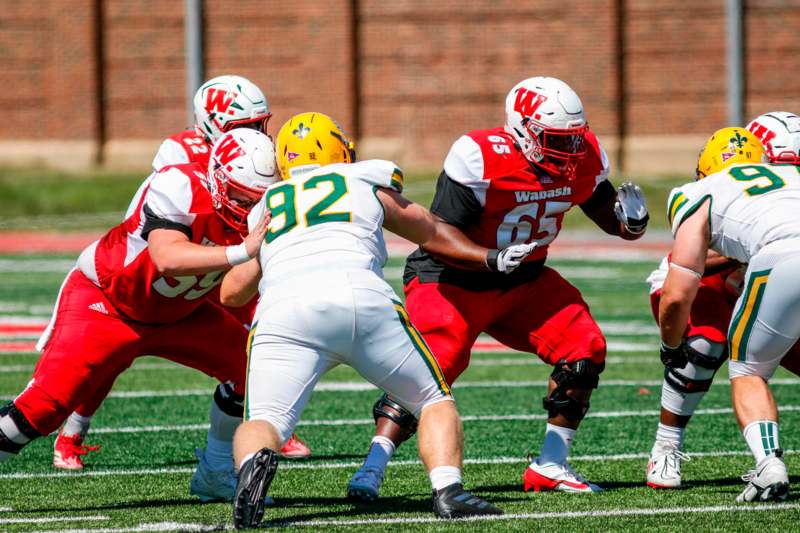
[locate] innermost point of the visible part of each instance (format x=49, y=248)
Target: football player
x=746, y=210
x=503, y=186
x=706, y=337
x=324, y=302
x=149, y=287
x=221, y=104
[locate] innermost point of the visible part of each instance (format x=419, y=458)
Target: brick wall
x=429, y=71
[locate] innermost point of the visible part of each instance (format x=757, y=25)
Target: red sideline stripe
x=19, y=329
x=28, y=242
x=17, y=347
x=489, y=346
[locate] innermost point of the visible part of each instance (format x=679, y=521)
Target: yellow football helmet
x=311, y=140
x=726, y=147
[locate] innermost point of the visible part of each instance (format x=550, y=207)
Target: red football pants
x=89, y=348
x=711, y=314
x=546, y=316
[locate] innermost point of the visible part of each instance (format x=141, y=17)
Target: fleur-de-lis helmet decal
x=301, y=131
x=738, y=140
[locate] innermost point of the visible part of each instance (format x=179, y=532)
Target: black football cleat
x=255, y=477
x=455, y=502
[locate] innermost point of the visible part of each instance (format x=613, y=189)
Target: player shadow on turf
x=142, y=504
x=416, y=503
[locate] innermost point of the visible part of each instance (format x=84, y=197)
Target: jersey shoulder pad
x=464, y=163
x=174, y=193
x=171, y=152
x=596, y=160
x=683, y=201
x=376, y=172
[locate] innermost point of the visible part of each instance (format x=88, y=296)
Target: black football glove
x=676, y=357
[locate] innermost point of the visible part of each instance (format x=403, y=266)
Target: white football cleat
x=664, y=468
x=768, y=481
x=365, y=484
x=557, y=477
x=214, y=485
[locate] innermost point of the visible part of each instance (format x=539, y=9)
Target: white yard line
x=552, y=516
x=358, y=386
x=154, y=526
x=5, y=509
x=469, y=418
x=312, y=465
x=50, y=519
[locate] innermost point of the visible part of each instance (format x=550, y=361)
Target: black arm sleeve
x=455, y=203
x=601, y=195
x=153, y=221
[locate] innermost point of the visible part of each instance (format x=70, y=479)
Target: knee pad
x=385, y=407
x=229, y=401
x=15, y=430
x=581, y=374
x=705, y=358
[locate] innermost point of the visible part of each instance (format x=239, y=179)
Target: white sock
x=762, y=438
x=556, y=446
x=219, y=443
x=670, y=434
x=380, y=452
x=444, y=476
x=245, y=459
x=77, y=425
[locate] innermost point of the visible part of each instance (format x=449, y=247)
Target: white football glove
x=508, y=259
x=630, y=208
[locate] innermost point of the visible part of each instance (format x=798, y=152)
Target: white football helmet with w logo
x=779, y=132
x=228, y=102
x=545, y=116
x=241, y=167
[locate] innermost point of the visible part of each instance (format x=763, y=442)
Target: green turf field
x=157, y=414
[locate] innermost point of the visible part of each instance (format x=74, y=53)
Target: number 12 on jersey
x=520, y=224
x=283, y=201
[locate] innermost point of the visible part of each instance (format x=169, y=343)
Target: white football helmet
x=545, y=117
x=779, y=132
x=228, y=102
x=240, y=168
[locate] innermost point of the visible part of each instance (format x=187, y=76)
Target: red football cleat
x=68, y=450
x=295, y=448
x=555, y=477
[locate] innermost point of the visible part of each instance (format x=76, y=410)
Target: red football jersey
x=497, y=198
x=120, y=262
x=520, y=203
x=187, y=146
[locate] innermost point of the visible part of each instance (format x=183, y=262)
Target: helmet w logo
x=528, y=102
x=219, y=100
x=228, y=150
x=764, y=135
